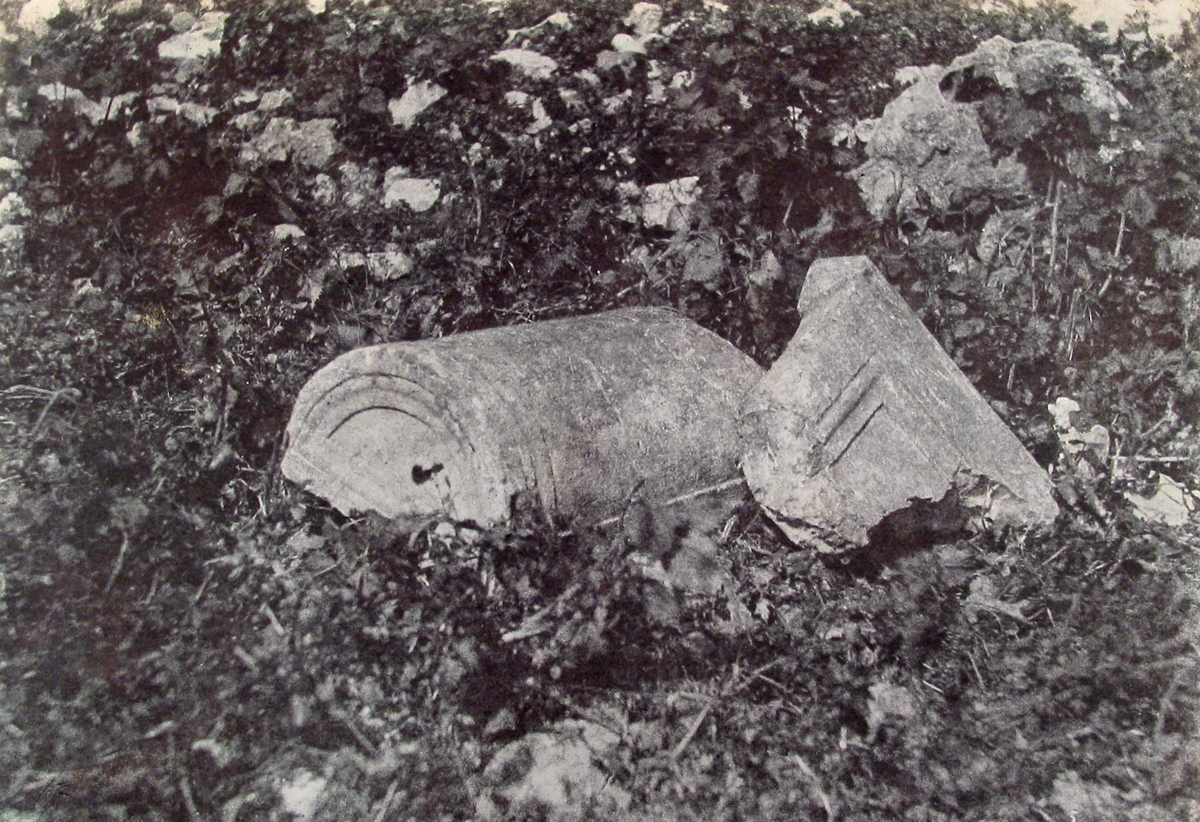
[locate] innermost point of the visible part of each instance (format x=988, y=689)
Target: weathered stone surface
x=417, y=193
x=416, y=98
x=553, y=774
x=669, y=205
x=864, y=413
x=309, y=143
x=201, y=39
x=928, y=149
x=1043, y=66
x=530, y=63
x=572, y=414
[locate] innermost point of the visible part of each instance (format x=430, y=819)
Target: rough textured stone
x=202, y=39
x=416, y=98
x=1043, y=66
x=530, y=63
x=864, y=414
x=928, y=149
x=309, y=143
x=417, y=193
x=574, y=414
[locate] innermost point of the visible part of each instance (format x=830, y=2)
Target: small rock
x=1170, y=504
x=1062, y=409
x=302, y=794
x=535, y=108
x=560, y=20
x=273, y=100
x=530, y=63
x=310, y=143
x=12, y=237
x=36, y=15
x=182, y=21
x=889, y=701
x=316, y=143
x=669, y=205
x=416, y=98
x=324, y=190
x=541, y=120
x=768, y=272
x=202, y=40
x=347, y=260
x=12, y=208
x=15, y=110
x=246, y=97
x=1179, y=255
x=982, y=597
x=51, y=468
x=553, y=775
x=573, y=99
x=1080, y=799
x=287, y=231
x=417, y=193
x=629, y=193
x=704, y=259
x=192, y=112
x=628, y=44
x=389, y=264
x=57, y=92
x=645, y=19
x=698, y=568
x=360, y=184
x=611, y=105
x=246, y=121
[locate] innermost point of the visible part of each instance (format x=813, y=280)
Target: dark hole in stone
x=422, y=475
x=922, y=524
x=916, y=527
x=965, y=86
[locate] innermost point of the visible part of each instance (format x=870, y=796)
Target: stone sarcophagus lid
x=574, y=414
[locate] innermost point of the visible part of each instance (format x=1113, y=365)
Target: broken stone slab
x=864, y=415
x=575, y=415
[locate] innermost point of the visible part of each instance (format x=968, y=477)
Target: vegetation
x=186, y=635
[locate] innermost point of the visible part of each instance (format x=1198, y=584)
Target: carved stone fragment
x=864, y=415
x=574, y=415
